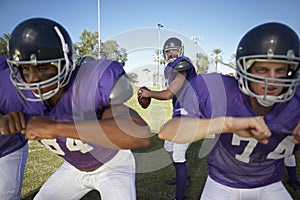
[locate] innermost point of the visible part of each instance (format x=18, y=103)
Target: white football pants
x=115, y=180
x=12, y=168
x=214, y=190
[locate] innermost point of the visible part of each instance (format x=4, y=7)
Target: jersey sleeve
x=93, y=85
x=196, y=100
x=189, y=104
x=3, y=63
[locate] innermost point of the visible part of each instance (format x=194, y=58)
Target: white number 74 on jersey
x=283, y=149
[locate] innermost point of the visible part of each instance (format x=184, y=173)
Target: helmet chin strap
x=44, y=94
x=46, y=101
x=267, y=101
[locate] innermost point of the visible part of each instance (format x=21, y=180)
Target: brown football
x=144, y=102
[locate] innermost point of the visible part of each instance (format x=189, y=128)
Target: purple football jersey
x=170, y=75
x=8, y=93
x=84, y=98
x=3, y=63
x=236, y=161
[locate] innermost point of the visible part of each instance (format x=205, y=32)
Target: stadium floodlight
x=196, y=38
x=99, y=40
x=158, y=60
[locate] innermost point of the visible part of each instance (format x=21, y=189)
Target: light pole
x=158, y=64
x=196, y=39
x=99, y=41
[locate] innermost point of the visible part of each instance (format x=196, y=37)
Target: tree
x=232, y=60
x=4, y=44
x=231, y=64
x=202, y=63
x=88, y=45
x=217, y=53
x=162, y=60
x=111, y=50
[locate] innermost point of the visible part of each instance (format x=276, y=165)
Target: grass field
x=149, y=185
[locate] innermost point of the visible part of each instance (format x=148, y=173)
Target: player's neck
x=53, y=100
x=259, y=109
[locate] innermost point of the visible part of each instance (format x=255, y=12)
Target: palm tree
x=217, y=53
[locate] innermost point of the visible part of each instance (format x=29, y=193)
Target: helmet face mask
x=56, y=82
x=173, y=48
x=287, y=83
x=39, y=41
x=272, y=43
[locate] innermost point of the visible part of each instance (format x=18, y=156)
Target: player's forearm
x=170, y=91
x=120, y=127
x=109, y=133
x=186, y=130
x=296, y=133
x=161, y=95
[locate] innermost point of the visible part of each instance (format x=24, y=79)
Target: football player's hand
x=253, y=127
x=40, y=128
x=143, y=92
x=12, y=123
x=296, y=133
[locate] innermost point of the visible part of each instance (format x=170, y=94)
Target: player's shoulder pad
x=121, y=92
x=182, y=66
x=85, y=59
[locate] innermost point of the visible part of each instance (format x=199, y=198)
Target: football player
x=257, y=112
x=77, y=113
x=13, y=148
x=178, y=72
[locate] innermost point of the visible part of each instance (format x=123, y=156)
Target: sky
x=218, y=23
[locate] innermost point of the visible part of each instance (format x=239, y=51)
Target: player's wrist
x=60, y=129
x=227, y=124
